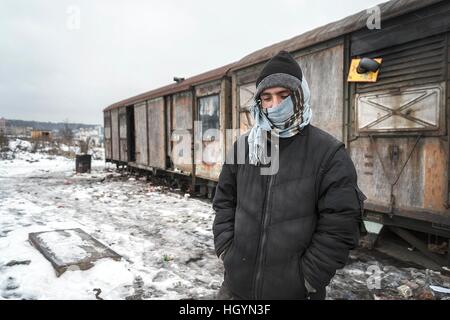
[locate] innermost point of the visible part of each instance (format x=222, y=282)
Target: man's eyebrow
x=278, y=92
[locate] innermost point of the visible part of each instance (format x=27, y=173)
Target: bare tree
x=84, y=145
x=66, y=133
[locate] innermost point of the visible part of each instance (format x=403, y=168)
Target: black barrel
x=83, y=163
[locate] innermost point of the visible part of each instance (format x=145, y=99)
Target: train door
x=130, y=134
x=181, y=135
x=208, y=156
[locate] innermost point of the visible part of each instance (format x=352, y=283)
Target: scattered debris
x=17, y=263
x=98, y=291
x=440, y=289
x=405, y=291
x=425, y=295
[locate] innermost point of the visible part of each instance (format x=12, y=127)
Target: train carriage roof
x=184, y=85
x=389, y=10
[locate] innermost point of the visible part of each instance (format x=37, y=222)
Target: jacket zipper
x=265, y=219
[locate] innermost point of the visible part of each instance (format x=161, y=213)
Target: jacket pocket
x=226, y=251
x=302, y=275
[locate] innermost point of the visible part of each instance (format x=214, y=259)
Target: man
x=284, y=235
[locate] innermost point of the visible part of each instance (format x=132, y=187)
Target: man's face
x=272, y=97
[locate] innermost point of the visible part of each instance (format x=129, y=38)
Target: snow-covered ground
x=165, y=239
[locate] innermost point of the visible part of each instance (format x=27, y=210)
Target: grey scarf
x=284, y=121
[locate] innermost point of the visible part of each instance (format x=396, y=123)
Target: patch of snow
x=66, y=248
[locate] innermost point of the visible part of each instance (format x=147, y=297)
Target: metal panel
x=140, y=125
x=156, y=133
x=421, y=24
x=409, y=109
x=115, y=134
x=123, y=134
x=181, y=135
x=208, y=158
x=207, y=89
x=414, y=63
x=417, y=168
x=324, y=71
x=168, y=122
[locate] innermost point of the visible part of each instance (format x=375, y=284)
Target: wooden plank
x=168, y=122
x=156, y=131
x=435, y=169
x=115, y=134
x=108, y=154
x=107, y=126
x=182, y=131
x=123, y=134
x=420, y=24
x=140, y=124
x=207, y=89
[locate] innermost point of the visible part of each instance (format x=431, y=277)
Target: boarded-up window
x=208, y=112
x=414, y=63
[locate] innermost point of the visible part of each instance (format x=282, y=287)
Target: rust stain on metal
x=435, y=180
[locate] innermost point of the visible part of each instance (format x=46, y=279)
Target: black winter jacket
x=299, y=223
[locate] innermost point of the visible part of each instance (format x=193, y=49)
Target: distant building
x=20, y=132
x=39, y=134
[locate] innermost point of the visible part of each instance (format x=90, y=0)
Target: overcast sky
x=70, y=59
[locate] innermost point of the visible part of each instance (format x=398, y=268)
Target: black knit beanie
x=281, y=70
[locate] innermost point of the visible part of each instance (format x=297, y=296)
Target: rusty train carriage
x=395, y=129
x=153, y=124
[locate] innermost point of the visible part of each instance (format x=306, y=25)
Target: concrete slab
x=70, y=249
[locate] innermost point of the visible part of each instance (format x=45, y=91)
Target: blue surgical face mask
x=280, y=113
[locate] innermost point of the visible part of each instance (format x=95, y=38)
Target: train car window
x=208, y=112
